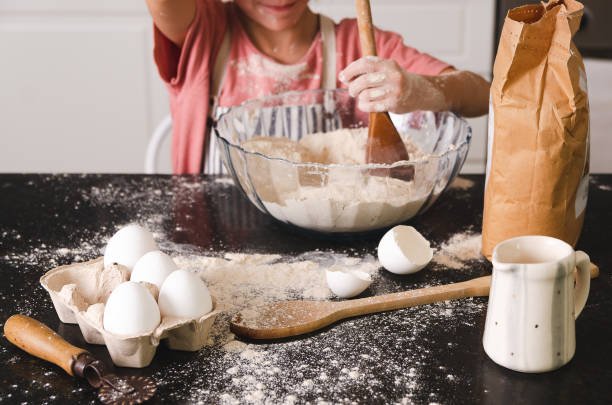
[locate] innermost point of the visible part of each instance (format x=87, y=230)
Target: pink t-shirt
x=250, y=74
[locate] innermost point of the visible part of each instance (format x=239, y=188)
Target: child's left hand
x=383, y=85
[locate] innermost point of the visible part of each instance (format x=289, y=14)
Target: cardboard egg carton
x=79, y=292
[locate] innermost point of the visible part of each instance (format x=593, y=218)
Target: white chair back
x=164, y=128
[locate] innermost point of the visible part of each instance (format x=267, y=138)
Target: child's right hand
x=383, y=85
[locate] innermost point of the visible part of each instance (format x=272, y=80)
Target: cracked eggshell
x=128, y=245
x=74, y=287
x=95, y=314
x=131, y=310
x=346, y=283
x=403, y=250
x=153, y=268
x=184, y=295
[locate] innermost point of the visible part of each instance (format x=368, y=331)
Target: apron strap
x=328, y=36
x=219, y=69
x=217, y=79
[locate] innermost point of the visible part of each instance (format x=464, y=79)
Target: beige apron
x=213, y=163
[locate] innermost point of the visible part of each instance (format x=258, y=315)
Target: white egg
x=153, y=268
x=184, y=295
x=128, y=245
x=347, y=283
x=131, y=310
x=403, y=250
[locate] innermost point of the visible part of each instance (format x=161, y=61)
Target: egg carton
x=79, y=292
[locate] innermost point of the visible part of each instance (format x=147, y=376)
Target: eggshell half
x=403, y=250
x=131, y=310
x=184, y=295
x=153, y=268
x=128, y=245
x=347, y=283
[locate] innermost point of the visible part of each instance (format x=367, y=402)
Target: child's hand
x=383, y=85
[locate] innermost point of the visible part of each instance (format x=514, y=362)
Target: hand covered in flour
x=383, y=85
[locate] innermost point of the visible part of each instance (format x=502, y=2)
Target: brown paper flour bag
x=538, y=163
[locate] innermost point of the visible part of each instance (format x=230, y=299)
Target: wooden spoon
x=384, y=144
x=290, y=318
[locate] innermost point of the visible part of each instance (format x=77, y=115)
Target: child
x=214, y=55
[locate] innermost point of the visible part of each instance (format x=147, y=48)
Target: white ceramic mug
x=533, y=303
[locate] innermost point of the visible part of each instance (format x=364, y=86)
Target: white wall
x=599, y=76
x=80, y=91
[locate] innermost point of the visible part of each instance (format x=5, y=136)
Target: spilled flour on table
x=358, y=356
x=242, y=282
x=349, y=354
x=461, y=248
x=596, y=182
x=462, y=183
x=403, y=356
x=239, y=281
x=226, y=181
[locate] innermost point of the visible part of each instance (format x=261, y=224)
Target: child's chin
x=278, y=24
x=275, y=20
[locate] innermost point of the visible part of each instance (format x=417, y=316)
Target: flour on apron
x=289, y=117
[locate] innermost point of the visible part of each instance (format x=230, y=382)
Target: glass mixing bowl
x=338, y=198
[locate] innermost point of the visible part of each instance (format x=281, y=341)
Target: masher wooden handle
x=37, y=339
x=366, y=29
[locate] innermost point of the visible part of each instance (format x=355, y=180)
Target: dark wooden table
x=430, y=354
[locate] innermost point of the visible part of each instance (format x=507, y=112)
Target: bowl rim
x=422, y=160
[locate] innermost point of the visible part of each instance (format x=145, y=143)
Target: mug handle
x=583, y=282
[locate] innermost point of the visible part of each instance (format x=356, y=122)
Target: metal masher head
x=126, y=390
x=114, y=390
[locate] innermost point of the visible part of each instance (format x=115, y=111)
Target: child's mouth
x=278, y=8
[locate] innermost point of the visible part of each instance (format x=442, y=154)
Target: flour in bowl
x=337, y=193
x=346, y=207
x=347, y=146
x=280, y=148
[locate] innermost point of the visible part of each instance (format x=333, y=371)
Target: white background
x=79, y=91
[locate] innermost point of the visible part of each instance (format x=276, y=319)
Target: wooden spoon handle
x=594, y=270
x=478, y=287
x=366, y=30
x=37, y=339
